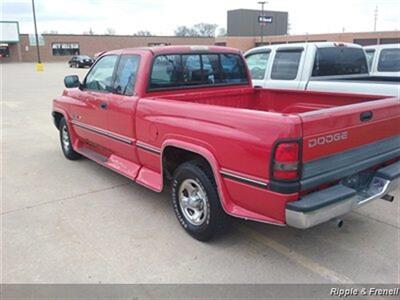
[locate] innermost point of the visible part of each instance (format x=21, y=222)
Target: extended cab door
x=122, y=108
x=90, y=113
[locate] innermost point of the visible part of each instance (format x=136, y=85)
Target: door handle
x=103, y=105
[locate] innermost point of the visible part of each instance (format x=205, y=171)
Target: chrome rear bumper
x=324, y=205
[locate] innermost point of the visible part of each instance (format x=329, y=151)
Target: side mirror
x=71, y=81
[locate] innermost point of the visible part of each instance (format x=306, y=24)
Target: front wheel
x=66, y=143
x=196, y=202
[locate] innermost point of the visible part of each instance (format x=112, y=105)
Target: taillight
x=286, y=161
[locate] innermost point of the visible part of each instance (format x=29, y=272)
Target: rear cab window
x=341, y=60
x=286, y=64
x=257, y=63
x=197, y=69
x=389, y=60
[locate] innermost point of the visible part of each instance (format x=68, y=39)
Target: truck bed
x=271, y=100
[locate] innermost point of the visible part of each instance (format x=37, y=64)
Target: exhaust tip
x=388, y=197
x=337, y=222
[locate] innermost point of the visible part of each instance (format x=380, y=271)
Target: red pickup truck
x=190, y=115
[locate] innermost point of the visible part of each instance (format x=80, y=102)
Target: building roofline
x=121, y=35
x=258, y=10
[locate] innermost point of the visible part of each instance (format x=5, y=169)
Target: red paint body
x=233, y=127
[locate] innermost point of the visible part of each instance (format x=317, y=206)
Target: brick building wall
x=363, y=38
x=91, y=44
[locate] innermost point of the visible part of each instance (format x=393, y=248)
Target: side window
x=211, y=68
x=125, y=76
x=191, y=69
x=370, y=57
x=257, y=63
x=166, y=71
x=286, y=64
x=389, y=60
x=100, y=76
x=233, y=70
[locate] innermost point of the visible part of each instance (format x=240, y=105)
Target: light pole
x=39, y=66
x=262, y=3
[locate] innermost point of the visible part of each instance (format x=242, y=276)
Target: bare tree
x=185, y=31
x=205, y=29
x=221, y=31
x=110, y=31
x=90, y=32
x=200, y=29
x=143, y=33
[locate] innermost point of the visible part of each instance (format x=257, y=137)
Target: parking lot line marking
x=294, y=256
x=63, y=199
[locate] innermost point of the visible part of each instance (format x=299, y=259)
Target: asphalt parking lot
x=64, y=221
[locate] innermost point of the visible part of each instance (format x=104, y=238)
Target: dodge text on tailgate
x=189, y=115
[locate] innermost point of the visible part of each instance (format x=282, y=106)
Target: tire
x=65, y=141
x=70, y=65
x=200, y=215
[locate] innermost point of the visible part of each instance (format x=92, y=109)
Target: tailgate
x=344, y=140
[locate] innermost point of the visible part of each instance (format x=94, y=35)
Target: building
x=60, y=47
x=362, y=38
x=246, y=22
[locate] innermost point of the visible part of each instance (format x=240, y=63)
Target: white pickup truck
x=384, y=60
x=324, y=66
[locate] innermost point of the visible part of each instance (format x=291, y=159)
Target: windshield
x=84, y=57
x=257, y=64
x=389, y=60
x=335, y=61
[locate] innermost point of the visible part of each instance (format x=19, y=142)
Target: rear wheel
x=65, y=140
x=196, y=202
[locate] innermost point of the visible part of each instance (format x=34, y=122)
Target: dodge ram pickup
x=319, y=66
x=188, y=117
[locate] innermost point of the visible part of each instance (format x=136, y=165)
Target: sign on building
x=9, y=32
x=263, y=20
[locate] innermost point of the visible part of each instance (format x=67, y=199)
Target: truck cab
x=320, y=66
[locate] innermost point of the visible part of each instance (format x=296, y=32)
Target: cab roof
x=157, y=50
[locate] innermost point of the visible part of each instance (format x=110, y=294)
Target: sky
x=161, y=17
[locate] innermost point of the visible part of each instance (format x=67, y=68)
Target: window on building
x=332, y=61
x=370, y=57
x=259, y=44
x=4, y=50
x=65, y=49
x=257, y=63
x=158, y=44
x=389, y=60
x=366, y=42
x=99, y=77
x=286, y=64
x=171, y=71
x=389, y=41
x=125, y=77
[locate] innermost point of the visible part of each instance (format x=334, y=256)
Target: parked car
x=321, y=66
x=384, y=60
x=80, y=61
x=283, y=157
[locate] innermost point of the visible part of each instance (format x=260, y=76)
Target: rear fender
x=209, y=157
